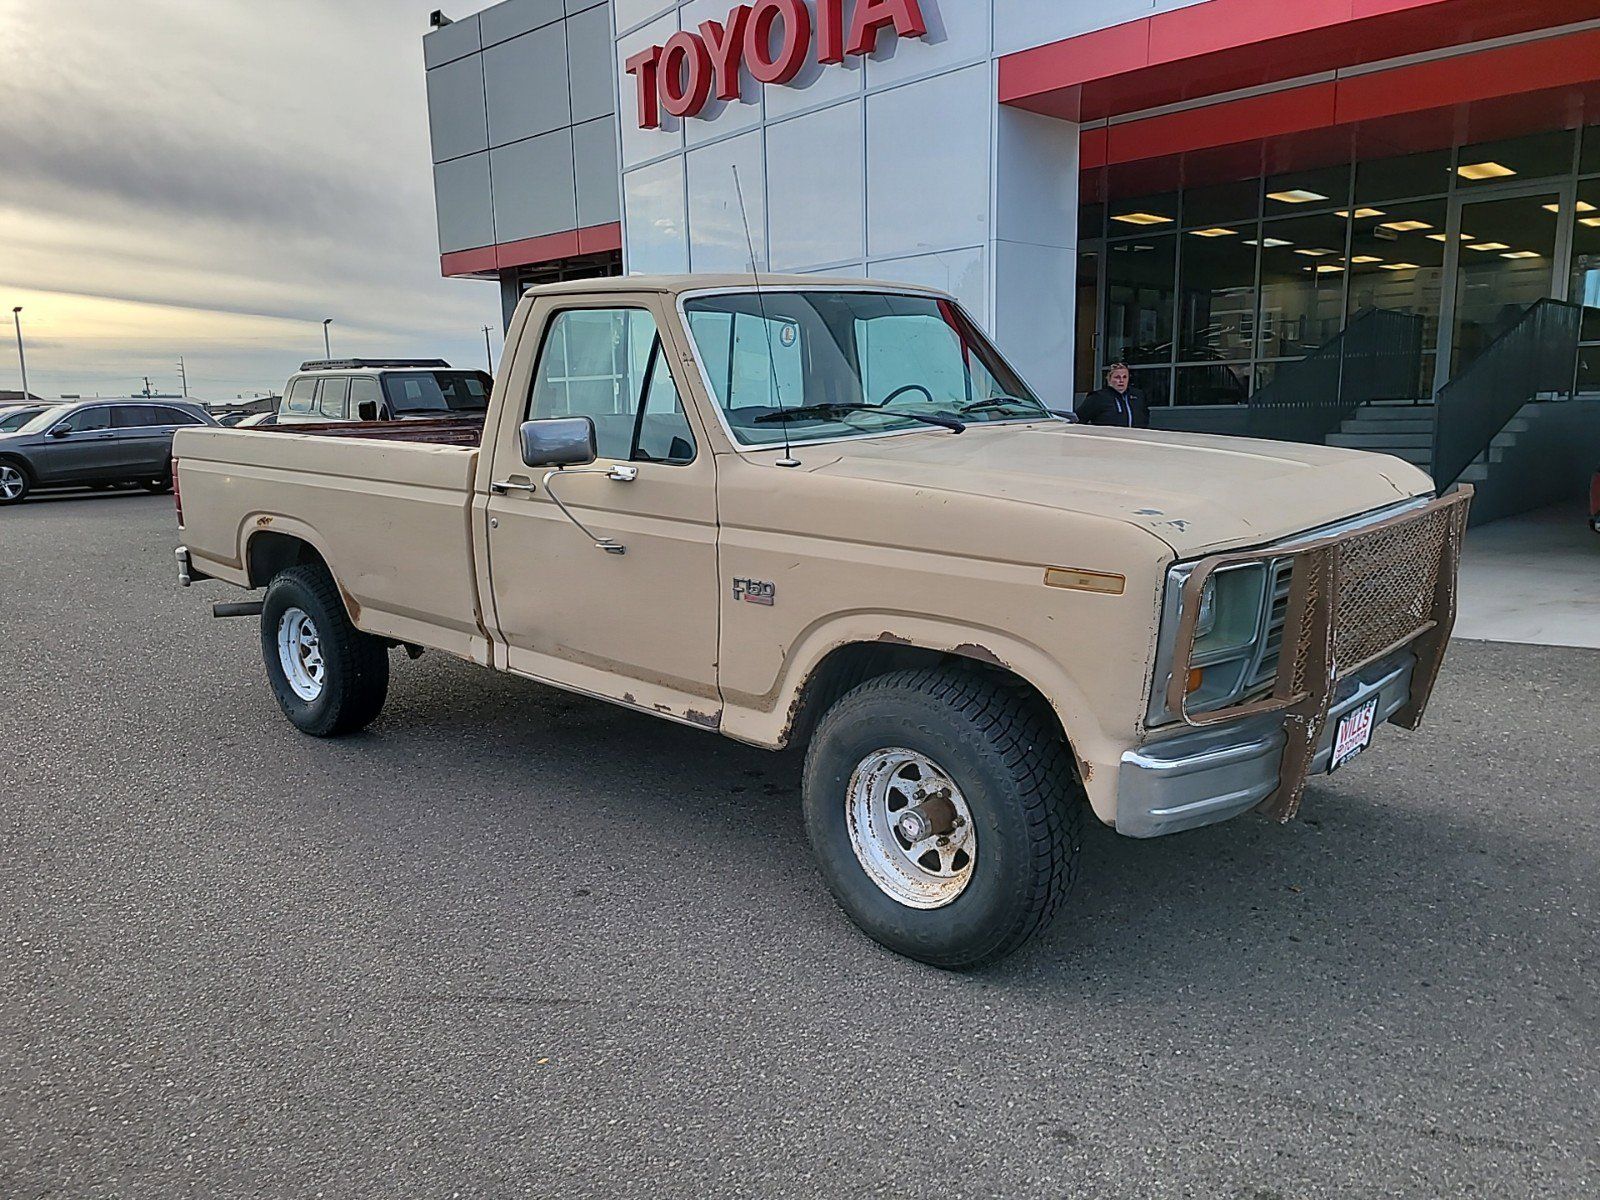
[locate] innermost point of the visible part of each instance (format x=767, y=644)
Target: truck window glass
x=897, y=354
x=364, y=390
x=412, y=393
x=331, y=396
x=604, y=363
x=298, y=399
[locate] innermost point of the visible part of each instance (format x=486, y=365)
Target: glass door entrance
x=1506, y=250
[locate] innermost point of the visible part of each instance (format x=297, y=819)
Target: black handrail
x=1534, y=356
x=1376, y=356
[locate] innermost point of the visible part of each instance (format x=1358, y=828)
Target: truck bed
x=386, y=505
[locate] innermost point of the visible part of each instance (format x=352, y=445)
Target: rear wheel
x=945, y=813
x=14, y=483
x=328, y=677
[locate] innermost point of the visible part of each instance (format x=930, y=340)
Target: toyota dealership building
x=1211, y=191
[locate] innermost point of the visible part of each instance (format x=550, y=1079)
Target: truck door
x=638, y=626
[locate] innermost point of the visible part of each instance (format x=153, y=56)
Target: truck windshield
x=436, y=391
x=856, y=362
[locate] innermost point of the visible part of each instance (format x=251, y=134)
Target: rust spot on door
x=708, y=720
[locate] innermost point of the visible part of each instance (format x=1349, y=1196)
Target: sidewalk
x=1533, y=578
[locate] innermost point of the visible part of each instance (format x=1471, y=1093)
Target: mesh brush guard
x=1354, y=598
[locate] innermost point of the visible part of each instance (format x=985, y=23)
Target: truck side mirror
x=558, y=442
x=367, y=410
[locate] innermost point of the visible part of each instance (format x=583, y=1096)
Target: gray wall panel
x=534, y=189
x=456, y=120
x=589, y=64
x=451, y=42
x=466, y=213
x=515, y=17
x=594, y=150
x=526, y=83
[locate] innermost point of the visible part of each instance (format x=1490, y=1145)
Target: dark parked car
x=93, y=442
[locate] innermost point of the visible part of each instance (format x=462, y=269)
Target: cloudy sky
x=211, y=178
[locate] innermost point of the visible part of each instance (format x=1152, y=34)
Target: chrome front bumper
x=1208, y=775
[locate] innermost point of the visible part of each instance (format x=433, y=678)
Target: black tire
x=1005, y=752
x=355, y=665
x=20, y=483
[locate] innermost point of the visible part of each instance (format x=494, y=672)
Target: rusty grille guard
x=1353, y=599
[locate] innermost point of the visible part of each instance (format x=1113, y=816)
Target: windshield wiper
x=832, y=412
x=998, y=402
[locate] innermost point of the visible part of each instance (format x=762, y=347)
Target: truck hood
x=1197, y=492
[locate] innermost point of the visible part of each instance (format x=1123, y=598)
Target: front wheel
x=14, y=483
x=328, y=677
x=945, y=813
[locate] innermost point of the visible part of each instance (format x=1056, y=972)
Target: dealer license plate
x=1354, y=734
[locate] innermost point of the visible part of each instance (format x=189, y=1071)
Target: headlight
x=1207, y=620
x=1230, y=635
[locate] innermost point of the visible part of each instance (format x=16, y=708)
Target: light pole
x=327, y=347
x=22, y=361
x=488, y=354
x=183, y=375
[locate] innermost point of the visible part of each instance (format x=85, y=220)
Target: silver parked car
x=94, y=442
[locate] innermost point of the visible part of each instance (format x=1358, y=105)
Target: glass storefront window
x=1307, y=191
x=1583, y=286
x=1216, y=293
x=1139, y=300
x=1381, y=179
x=1397, y=261
x=1222, y=204
x=1154, y=384
x=1302, y=284
x=1216, y=383
x=1534, y=157
x=1589, y=163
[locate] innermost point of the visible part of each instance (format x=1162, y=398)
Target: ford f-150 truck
x=827, y=513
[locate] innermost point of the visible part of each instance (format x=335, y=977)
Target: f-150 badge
x=755, y=591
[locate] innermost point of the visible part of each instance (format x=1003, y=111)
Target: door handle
x=503, y=486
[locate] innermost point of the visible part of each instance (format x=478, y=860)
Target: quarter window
x=301, y=393
x=364, y=390
x=610, y=365
x=135, y=416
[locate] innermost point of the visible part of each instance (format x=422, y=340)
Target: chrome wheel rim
x=910, y=828
x=300, y=654
x=11, y=482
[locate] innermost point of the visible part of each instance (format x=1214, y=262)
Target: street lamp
x=22, y=361
x=327, y=349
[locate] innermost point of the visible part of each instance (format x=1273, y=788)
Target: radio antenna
x=788, y=459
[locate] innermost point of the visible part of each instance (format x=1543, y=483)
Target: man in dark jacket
x=1115, y=404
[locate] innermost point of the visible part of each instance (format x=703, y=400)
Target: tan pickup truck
x=827, y=513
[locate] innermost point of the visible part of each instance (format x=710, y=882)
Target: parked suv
x=371, y=389
x=94, y=442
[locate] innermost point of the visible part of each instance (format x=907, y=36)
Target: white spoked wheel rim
x=910, y=828
x=300, y=654
x=11, y=482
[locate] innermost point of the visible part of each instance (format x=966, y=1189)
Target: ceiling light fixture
x=1405, y=226
x=1214, y=231
x=1316, y=252
x=1269, y=243
x=1142, y=218
x=1366, y=258
x=1360, y=212
x=1522, y=254
x=1484, y=170
x=1489, y=246
x=1295, y=196
x=1399, y=266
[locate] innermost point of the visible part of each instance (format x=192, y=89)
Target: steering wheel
x=900, y=391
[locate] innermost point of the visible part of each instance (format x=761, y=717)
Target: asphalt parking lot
x=510, y=942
